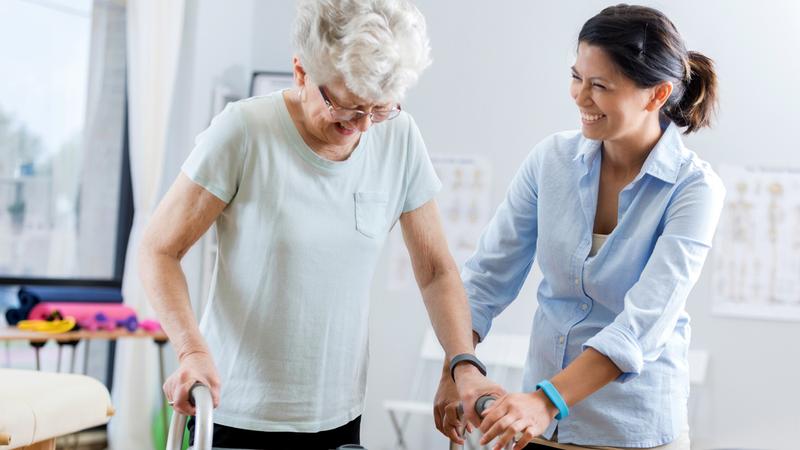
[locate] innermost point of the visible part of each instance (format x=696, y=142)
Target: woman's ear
x=660, y=95
x=299, y=72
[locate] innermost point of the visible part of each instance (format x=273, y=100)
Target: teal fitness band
x=552, y=393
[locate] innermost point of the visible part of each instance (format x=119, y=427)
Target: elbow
x=144, y=256
x=151, y=252
x=439, y=272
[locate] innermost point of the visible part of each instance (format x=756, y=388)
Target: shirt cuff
x=481, y=322
x=619, y=345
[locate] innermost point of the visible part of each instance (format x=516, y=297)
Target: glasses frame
x=357, y=113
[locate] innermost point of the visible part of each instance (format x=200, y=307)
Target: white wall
x=217, y=47
x=499, y=84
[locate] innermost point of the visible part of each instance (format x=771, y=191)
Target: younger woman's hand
x=523, y=415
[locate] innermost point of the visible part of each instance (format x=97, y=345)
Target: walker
x=200, y=397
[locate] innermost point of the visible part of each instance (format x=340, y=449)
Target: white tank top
x=597, y=241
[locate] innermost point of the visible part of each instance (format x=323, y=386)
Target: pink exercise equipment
x=94, y=316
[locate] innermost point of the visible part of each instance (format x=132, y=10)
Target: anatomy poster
x=756, y=263
x=465, y=209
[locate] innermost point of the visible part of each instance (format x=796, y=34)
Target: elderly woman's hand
x=445, y=414
x=518, y=418
x=196, y=367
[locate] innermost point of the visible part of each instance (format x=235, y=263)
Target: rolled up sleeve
x=653, y=305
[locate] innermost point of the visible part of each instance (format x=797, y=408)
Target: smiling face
x=322, y=124
x=612, y=106
x=319, y=122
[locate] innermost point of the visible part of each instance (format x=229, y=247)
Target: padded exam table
x=37, y=407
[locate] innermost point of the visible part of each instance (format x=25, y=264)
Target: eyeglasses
x=354, y=115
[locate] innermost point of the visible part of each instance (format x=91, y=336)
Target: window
x=65, y=204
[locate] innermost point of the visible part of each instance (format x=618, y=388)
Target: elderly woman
x=303, y=186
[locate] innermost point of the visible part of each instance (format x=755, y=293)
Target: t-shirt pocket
x=371, y=212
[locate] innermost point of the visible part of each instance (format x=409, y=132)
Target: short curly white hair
x=377, y=47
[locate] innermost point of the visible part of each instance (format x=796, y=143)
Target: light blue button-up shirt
x=627, y=301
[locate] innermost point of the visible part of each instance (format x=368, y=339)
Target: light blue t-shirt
x=627, y=301
x=298, y=244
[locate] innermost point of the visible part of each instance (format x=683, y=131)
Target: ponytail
x=698, y=104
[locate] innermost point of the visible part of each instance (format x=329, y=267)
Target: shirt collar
x=663, y=162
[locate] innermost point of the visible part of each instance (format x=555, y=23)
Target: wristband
x=555, y=397
x=466, y=358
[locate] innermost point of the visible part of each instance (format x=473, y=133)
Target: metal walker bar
x=200, y=396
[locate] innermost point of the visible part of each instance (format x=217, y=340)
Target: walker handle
x=481, y=404
x=200, y=397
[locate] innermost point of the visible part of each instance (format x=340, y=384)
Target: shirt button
x=584, y=306
x=561, y=339
x=577, y=281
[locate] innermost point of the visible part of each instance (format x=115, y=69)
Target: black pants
x=535, y=446
x=229, y=437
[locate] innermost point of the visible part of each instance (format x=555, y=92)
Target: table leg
x=86, y=356
x=74, y=345
x=36, y=347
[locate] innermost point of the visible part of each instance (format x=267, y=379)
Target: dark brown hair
x=647, y=48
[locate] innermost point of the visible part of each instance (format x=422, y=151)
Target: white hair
x=377, y=47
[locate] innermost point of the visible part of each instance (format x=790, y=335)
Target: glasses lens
x=354, y=115
x=347, y=115
x=380, y=116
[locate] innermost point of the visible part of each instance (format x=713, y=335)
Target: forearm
x=446, y=366
x=584, y=376
x=166, y=289
x=448, y=310
x=438, y=279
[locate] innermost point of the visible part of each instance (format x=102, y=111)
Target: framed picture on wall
x=263, y=83
x=223, y=94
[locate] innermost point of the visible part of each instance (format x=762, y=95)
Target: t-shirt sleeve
x=217, y=159
x=422, y=182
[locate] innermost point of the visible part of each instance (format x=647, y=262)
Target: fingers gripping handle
x=200, y=397
x=462, y=428
x=481, y=404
